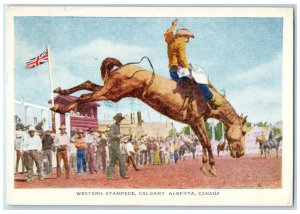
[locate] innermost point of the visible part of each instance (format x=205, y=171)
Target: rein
x=153, y=72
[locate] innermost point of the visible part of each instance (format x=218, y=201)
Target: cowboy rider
x=178, y=61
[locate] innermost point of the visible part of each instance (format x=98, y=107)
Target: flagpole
x=51, y=87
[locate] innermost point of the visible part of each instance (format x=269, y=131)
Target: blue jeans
x=205, y=91
x=176, y=156
x=202, y=87
x=81, y=160
x=174, y=74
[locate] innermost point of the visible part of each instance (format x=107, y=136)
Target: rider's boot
x=216, y=101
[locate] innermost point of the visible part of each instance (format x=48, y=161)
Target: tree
x=262, y=124
x=218, y=131
x=248, y=124
x=209, y=130
x=173, y=133
x=277, y=132
x=186, y=130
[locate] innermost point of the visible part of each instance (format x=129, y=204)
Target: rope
x=153, y=72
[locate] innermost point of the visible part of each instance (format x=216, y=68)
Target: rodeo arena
x=73, y=150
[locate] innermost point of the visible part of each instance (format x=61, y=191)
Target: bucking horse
x=167, y=97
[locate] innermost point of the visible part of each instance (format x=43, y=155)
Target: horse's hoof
x=213, y=171
x=57, y=90
x=203, y=169
x=54, y=108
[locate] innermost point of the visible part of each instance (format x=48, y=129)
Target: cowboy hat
x=49, y=131
x=79, y=131
x=31, y=129
x=91, y=130
x=118, y=115
x=184, y=32
x=62, y=126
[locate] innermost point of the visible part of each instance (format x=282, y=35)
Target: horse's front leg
x=97, y=95
x=204, y=168
x=88, y=85
x=200, y=131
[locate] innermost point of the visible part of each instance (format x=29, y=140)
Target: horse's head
x=257, y=140
x=107, y=67
x=236, y=138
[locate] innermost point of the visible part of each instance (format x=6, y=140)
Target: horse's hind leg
x=88, y=85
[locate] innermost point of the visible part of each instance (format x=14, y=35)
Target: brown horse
x=168, y=98
x=221, y=147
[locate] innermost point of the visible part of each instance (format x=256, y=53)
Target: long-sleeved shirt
x=32, y=143
x=176, y=50
x=61, y=140
x=89, y=139
x=143, y=147
x=129, y=148
x=113, y=135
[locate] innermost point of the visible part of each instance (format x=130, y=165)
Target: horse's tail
x=107, y=65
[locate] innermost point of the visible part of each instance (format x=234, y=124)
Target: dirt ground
x=245, y=172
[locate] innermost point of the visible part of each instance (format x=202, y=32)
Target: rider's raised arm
x=169, y=36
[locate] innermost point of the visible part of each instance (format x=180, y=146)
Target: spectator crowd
x=92, y=152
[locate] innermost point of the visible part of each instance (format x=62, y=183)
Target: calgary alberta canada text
x=147, y=193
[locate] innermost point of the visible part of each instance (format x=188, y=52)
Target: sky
x=242, y=56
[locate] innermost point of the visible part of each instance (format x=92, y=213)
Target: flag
x=36, y=61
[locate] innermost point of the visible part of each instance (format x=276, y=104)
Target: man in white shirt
x=129, y=149
x=32, y=148
x=91, y=143
x=62, y=143
x=143, y=152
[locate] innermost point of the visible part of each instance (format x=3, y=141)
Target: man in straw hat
x=32, y=148
x=178, y=63
x=114, y=136
x=61, y=142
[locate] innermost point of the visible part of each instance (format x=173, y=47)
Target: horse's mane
x=107, y=65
